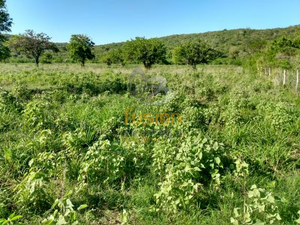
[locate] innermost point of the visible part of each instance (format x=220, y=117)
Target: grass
x=62, y=129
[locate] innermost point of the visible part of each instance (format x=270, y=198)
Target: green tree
x=192, y=53
x=115, y=56
x=32, y=44
x=4, y=52
x=80, y=48
x=281, y=52
x=47, y=58
x=234, y=52
x=107, y=58
x=147, y=51
x=5, y=25
x=296, y=42
x=5, y=20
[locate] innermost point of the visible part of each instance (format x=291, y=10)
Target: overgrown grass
x=63, y=136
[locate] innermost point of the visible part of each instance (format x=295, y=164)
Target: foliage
x=261, y=204
x=5, y=24
x=185, y=170
x=80, y=48
x=62, y=128
x=281, y=52
x=146, y=51
x=65, y=214
x=114, y=57
x=10, y=220
x=243, y=47
x=5, y=20
x=298, y=220
x=192, y=53
x=4, y=52
x=32, y=44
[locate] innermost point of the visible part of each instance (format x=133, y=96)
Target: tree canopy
x=5, y=20
x=115, y=56
x=5, y=25
x=192, y=53
x=80, y=48
x=32, y=44
x=146, y=51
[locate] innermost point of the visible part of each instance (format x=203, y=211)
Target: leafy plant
x=185, y=169
x=11, y=220
x=260, y=208
x=65, y=214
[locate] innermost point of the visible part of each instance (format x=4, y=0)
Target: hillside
x=223, y=41
x=220, y=40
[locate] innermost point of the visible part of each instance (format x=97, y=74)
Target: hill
x=220, y=40
x=225, y=41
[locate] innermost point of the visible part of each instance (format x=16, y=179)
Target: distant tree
x=281, y=52
x=296, y=42
x=256, y=46
x=192, y=53
x=5, y=20
x=118, y=57
x=234, y=52
x=146, y=51
x=179, y=55
x=5, y=25
x=80, y=48
x=47, y=58
x=107, y=59
x=4, y=52
x=32, y=44
x=115, y=56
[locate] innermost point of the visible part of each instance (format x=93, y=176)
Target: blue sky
x=106, y=21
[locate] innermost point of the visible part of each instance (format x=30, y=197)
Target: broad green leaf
x=55, y=204
x=82, y=207
x=218, y=160
x=16, y=217
x=61, y=220
x=258, y=222
x=271, y=199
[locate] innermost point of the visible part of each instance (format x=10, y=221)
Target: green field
x=67, y=155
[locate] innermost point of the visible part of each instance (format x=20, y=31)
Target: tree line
x=245, y=47
x=139, y=50
x=80, y=48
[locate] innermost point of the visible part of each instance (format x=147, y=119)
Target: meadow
x=65, y=156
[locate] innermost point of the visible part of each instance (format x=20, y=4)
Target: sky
x=107, y=21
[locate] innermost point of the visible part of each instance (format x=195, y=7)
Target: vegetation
x=4, y=52
x=146, y=51
x=257, y=50
x=67, y=155
x=32, y=44
x=80, y=48
x=5, y=25
x=191, y=53
x=5, y=20
x=116, y=56
x=222, y=149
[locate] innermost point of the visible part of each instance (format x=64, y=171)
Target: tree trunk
x=147, y=65
x=37, y=61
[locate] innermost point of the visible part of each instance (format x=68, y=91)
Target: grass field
x=67, y=154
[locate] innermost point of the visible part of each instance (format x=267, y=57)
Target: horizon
x=117, y=21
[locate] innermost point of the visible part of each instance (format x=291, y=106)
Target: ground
x=64, y=144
